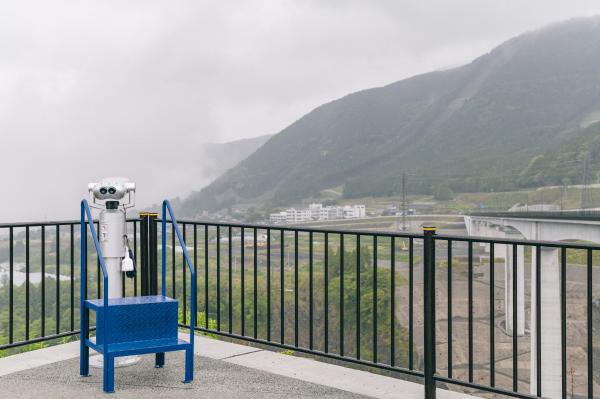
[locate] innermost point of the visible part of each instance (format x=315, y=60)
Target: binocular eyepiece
x=111, y=191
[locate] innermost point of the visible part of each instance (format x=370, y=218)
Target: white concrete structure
x=298, y=215
x=537, y=229
x=279, y=217
x=333, y=212
x=354, y=211
x=317, y=211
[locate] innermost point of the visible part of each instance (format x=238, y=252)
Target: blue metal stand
x=133, y=325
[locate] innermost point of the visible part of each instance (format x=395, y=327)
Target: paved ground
x=223, y=370
x=214, y=379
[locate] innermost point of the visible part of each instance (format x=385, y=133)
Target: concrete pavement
x=223, y=370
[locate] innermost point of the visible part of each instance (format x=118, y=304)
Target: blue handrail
x=166, y=206
x=86, y=213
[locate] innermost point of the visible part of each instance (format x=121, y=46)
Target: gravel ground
x=213, y=379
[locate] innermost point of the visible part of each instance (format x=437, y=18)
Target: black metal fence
x=449, y=310
x=39, y=281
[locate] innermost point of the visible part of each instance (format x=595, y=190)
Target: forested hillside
x=515, y=117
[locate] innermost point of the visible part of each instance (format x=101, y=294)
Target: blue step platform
x=132, y=325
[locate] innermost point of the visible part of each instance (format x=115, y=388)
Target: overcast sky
x=98, y=88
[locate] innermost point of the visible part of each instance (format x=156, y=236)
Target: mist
x=95, y=89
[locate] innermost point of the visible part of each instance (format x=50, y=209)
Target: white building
x=317, y=211
x=335, y=212
x=279, y=217
x=298, y=215
x=354, y=211
x=360, y=211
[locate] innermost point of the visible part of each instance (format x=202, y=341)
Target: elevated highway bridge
x=576, y=225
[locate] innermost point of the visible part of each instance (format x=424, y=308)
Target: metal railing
x=425, y=305
x=40, y=280
x=87, y=222
x=167, y=209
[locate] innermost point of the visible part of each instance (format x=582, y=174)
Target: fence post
x=149, y=255
x=429, y=310
x=153, y=252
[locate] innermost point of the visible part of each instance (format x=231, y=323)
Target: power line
x=585, y=192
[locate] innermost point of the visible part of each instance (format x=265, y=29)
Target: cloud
x=91, y=89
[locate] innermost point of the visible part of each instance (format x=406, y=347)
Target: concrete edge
x=39, y=357
x=330, y=375
x=334, y=376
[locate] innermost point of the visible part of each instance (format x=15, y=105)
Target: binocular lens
x=112, y=190
x=103, y=190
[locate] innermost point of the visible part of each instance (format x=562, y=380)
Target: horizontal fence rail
x=491, y=316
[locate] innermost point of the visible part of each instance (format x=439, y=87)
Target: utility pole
x=404, y=205
x=572, y=374
x=584, y=181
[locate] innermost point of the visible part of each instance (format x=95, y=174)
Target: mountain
x=490, y=124
x=204, y=163
x=217, y=158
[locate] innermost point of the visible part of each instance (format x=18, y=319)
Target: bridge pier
x=551, y=372
x=540, y=227
x=509, y=275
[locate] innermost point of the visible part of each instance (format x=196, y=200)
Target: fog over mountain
x=525, y=114
x=92, y=89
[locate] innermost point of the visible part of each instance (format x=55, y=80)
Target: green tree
x=442, y=192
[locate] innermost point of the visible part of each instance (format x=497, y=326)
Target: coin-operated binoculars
x=113, y=196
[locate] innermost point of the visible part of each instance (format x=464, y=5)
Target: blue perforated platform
x=136, y=319
x=130, y=300
x=141, y=347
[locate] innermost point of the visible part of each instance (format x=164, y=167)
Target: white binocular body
x=113, y=196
